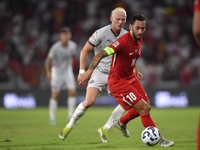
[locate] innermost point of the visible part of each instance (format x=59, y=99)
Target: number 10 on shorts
x=131, y=97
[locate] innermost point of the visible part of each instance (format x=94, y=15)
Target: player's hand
x=80, y=76
x=48, y=77
x=139, y=75
x=84, y=77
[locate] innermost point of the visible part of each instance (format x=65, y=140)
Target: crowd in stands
x=29, y=27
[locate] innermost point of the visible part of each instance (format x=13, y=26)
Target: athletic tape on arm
x=109, y=50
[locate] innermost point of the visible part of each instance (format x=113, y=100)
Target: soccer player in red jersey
x=122, y=80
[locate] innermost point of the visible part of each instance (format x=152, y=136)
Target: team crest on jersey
x=93, y=37
x=115, y=44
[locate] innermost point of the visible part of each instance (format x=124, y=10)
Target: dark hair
x=139, y=17
x=65, y=29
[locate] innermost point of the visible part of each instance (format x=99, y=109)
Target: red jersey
x=196, y=5
x=123, y=61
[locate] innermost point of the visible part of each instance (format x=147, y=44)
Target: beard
x=135, y=37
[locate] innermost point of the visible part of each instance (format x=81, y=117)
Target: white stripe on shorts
x=126, y=100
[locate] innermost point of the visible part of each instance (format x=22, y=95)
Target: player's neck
x=133, y=37
x=115, y=31
x=64, y=44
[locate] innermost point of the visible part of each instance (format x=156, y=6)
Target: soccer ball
x=150, y=136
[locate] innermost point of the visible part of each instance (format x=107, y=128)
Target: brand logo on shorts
x=92, y=81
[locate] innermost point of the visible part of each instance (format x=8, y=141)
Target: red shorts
x=127, y=94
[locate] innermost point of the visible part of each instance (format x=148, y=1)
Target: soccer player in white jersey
x=59, y=67
x=98, y=41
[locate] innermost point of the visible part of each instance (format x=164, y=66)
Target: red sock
x=198, y=135
x=147, y=120
x=131, y=114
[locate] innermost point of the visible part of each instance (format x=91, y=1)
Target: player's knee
x=54, y=95
x=88, y=103
x=72, y=93
x=149, y=105
x=149, y=108
x=145, y=109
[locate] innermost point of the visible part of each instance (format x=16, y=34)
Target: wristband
x=81, y=71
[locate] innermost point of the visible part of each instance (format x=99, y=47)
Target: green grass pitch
x=28, y=129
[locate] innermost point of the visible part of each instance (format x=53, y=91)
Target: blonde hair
x=117, y=9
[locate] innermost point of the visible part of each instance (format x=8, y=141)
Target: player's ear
x=60, y=35
x=130, y=26
x=111, y=18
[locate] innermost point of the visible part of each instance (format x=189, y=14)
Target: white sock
x=117, y=113
x=71, y=103
x=79, y=112
x=53, y=104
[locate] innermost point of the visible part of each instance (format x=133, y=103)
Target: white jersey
x=62, y=57
x=102, y=38
x=62, y=76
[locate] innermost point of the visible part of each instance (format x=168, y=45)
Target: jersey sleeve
x=74, y=50
x=196, y=5
x=51, y=52
x=95, y=39
x=116, y=46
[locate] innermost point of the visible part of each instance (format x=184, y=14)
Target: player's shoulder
x=123, y=40
x=56, y=44
x=125, y=36
x=72, y=42
x=104, y=29
x=123, y=31
x=107, y=27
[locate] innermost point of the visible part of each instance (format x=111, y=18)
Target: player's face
x=65, y=36
x=118, y=20
x=137, y=29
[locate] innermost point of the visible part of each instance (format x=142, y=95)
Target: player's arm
x=97, y=58
x=137, y=73
x=48, y=68
x=196, y=26
x=83, y=56
x=135, y=70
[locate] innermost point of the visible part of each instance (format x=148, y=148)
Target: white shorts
x=99, y=80
x=63, y=83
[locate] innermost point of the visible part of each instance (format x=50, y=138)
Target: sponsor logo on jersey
x=115, y=44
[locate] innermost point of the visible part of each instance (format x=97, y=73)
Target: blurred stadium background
x=170, y=60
